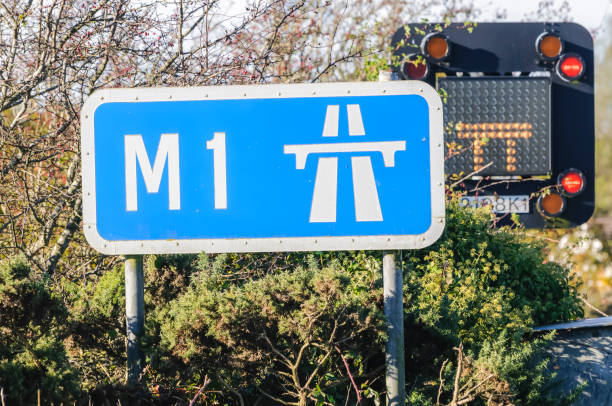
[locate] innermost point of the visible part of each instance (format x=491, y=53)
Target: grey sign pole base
x=395, y=376
x=134, y=311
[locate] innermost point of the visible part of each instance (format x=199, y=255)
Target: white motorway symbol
x=324, y=198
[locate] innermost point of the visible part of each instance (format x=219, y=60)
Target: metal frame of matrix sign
x=307, y=167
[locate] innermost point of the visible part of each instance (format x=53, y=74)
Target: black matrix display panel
x=497, y=126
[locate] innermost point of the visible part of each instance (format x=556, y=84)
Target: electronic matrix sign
x=518, y=113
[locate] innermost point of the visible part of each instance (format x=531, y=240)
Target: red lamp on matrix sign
x=572, y=182
x=570, y=67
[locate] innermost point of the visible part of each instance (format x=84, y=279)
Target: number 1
x=217, y=144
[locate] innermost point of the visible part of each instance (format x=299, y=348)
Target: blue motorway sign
x=263, y=168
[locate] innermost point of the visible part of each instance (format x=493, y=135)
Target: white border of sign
x=378, y=242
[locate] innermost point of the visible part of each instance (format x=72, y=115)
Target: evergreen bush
x=282, y=328
x=33, y=360
x=303, y=328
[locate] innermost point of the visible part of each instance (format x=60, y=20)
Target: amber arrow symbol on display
x=481, y=131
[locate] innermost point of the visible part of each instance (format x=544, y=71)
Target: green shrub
x=96, y=326
x=243, y=320
x=484, y=288
x=476, y=282
x=32, y=354
x=282, y=335
x=298, y=327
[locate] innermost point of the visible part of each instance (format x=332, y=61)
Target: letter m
x=168, y=150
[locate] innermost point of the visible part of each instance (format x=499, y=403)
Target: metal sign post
x=395, y=378
x=134, y=311
x=395, y=371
